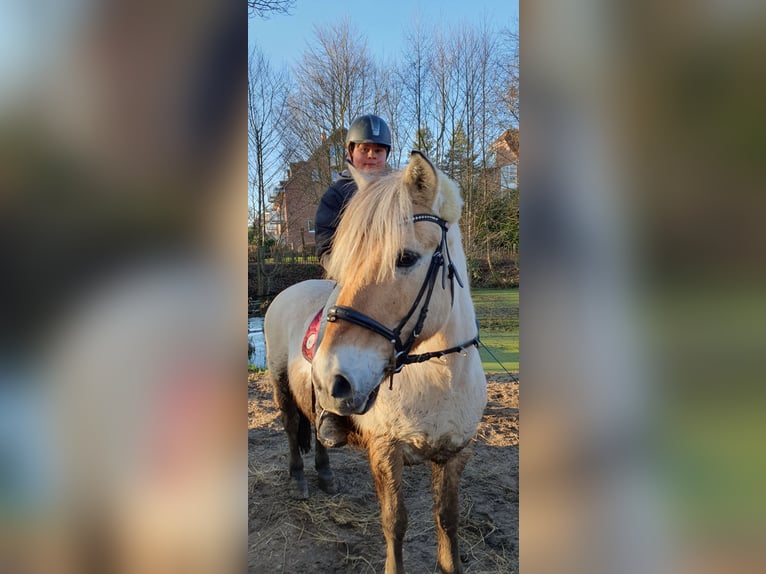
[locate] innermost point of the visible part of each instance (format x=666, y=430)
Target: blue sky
x=283, y=38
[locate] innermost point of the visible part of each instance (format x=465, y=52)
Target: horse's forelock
x=374, y=223
x=371, y=232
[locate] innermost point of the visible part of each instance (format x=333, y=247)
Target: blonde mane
x=372, y=230
x=374, y=223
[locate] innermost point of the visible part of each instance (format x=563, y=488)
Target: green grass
x=498, y=313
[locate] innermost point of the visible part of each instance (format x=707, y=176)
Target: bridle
x=401, y=352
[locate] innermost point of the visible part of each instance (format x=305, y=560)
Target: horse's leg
x=386, y=463
x=322, y=464
x=445, y=482
x=296, y=426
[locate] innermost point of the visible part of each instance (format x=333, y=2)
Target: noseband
x=401, y=350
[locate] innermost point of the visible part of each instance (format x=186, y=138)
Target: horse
x=399, y=352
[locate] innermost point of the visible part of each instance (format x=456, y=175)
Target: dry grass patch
x=342, y=532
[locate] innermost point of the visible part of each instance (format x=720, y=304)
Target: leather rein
x=401, y=352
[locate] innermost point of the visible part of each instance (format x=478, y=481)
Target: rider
x=368, y=145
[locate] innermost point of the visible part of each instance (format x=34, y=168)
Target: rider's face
x=369, y=157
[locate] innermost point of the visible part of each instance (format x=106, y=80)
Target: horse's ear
x=421, y=179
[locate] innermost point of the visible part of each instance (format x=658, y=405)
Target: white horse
x=399, y=354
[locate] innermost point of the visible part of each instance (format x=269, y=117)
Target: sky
x=283, y=38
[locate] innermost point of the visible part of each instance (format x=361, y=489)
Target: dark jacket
x=328, y=213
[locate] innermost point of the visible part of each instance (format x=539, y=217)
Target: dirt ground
x=341, y=533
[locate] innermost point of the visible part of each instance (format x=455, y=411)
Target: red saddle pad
x=310, y=338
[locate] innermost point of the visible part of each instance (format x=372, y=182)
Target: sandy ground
x=341, y=532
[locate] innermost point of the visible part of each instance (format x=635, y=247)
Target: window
x=508, y=177
x=314, y=175
x=310, y=225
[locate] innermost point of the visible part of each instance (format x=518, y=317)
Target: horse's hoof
x=328, y=485
x=301, y=490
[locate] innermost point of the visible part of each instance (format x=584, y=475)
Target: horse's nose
x=341, y=388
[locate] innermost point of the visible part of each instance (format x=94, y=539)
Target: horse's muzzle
x=343, y=398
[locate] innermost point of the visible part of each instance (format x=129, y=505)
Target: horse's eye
x=407, y=259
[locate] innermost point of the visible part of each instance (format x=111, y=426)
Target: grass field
x=498, y=313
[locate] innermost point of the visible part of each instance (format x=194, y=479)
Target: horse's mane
x=371, y=231
x=374, y=223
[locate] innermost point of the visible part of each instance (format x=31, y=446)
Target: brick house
x=294, y=203
x=296, y=198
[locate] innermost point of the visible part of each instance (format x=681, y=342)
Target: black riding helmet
x=369, y=129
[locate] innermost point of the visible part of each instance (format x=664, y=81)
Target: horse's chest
x=427, y=433
x=432, y=424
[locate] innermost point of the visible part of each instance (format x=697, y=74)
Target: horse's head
x=393, y=260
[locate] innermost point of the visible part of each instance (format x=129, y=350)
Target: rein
x=401, y=353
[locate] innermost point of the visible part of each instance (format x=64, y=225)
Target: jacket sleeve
x=326, y=220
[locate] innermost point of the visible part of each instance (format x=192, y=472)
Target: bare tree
x=509, y=69
x=336, y=81
x=464, y=100
x=442, y=79
x=415, y=82
x=267, y=95
x=487, y=78
x=393, y=107
x=263, y=8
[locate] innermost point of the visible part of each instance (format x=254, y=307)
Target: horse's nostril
x=341, y=388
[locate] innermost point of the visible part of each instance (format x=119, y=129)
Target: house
x=296, y=198
x=294, y=203
x=505, y=153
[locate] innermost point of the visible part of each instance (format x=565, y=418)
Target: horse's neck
x=463, y=302
x=462, y=320
x=461, y=324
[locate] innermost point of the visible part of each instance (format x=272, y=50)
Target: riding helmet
x=369, y=129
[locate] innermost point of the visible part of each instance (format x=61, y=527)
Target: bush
x=280, y=276
x=503, y=274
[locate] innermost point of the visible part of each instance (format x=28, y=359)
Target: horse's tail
x=304, y=434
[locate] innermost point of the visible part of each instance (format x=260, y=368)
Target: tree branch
x=264, y=8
